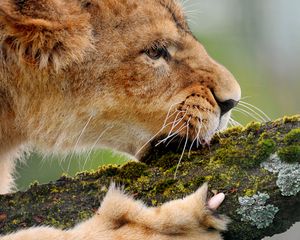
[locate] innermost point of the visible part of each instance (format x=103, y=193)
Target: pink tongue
x=216, y=201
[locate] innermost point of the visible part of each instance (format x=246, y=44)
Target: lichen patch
x=255, y=211
x=288, y=179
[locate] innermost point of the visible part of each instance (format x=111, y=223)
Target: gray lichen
x=288, y=179
x=255, y=211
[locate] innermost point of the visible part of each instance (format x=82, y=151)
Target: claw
x=212, y=203
x=216, y=201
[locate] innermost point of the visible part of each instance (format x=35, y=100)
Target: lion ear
x=45, y=33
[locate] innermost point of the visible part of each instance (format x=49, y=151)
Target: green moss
x=84, y=215
x=170, y=170
x=55, y=190
x=253, y=126
x=167, y=161
x=65, y=176
x=226, y=165
x=286, y=119
x=244, y=155
x=109, y=170
x=53, y=222
x=289, y=153
x=208, y=178
x=290, y=149
x=290, y=119
x=163, y=185
x=246, y=151
x=293, y=136
x=199, y=180
x=225, y=177
x=232, y=131
x=249, y=192
x=143, y=180
x=265, y=148
x=132, y=170
x=15, y=221
x=34, y=184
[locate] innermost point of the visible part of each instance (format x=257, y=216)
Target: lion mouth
x=196, y=119
x=194, y=123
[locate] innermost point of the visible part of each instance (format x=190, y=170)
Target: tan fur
x=122, y=218
x=74, y=74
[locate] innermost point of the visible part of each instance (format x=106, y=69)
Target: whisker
x=43, y=160
x=246, y=97
x=168, y=137
x=176, y=135
x=176, y=122
x=192, y=6
x=78, y=139
x=179, y=144
x=195, y=139
x=162, y=128
x=173, y=126
x=82, y=131
x=191, y=21
x=45, y=156
x=241, y=106
x=167, y=117
x=184, y=147
x=220, y=134
x=94, y=145
x=235, y=123
x=192, y=12
x=155, y=135
x=202, y=125
x=256, y=108
x=231, y=122
x=184, y=2
x=198, y=136
x=176, y=111
x=190, y=149
x=246, y=113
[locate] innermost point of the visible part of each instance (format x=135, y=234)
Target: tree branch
x=237, y=162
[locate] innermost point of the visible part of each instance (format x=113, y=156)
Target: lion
x=82, y=74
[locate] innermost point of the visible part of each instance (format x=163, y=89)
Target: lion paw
x=192, y=217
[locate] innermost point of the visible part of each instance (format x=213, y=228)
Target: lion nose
x=227, y=105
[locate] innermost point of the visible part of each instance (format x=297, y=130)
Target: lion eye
x=156, y=53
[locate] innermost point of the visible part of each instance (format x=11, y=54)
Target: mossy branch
x=237, y=163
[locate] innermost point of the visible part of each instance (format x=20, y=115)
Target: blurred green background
x=258, y=41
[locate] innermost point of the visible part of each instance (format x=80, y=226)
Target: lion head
x=92, y=73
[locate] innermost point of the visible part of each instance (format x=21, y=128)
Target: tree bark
x=237, y=162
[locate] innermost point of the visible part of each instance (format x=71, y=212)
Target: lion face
x=112, y=73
